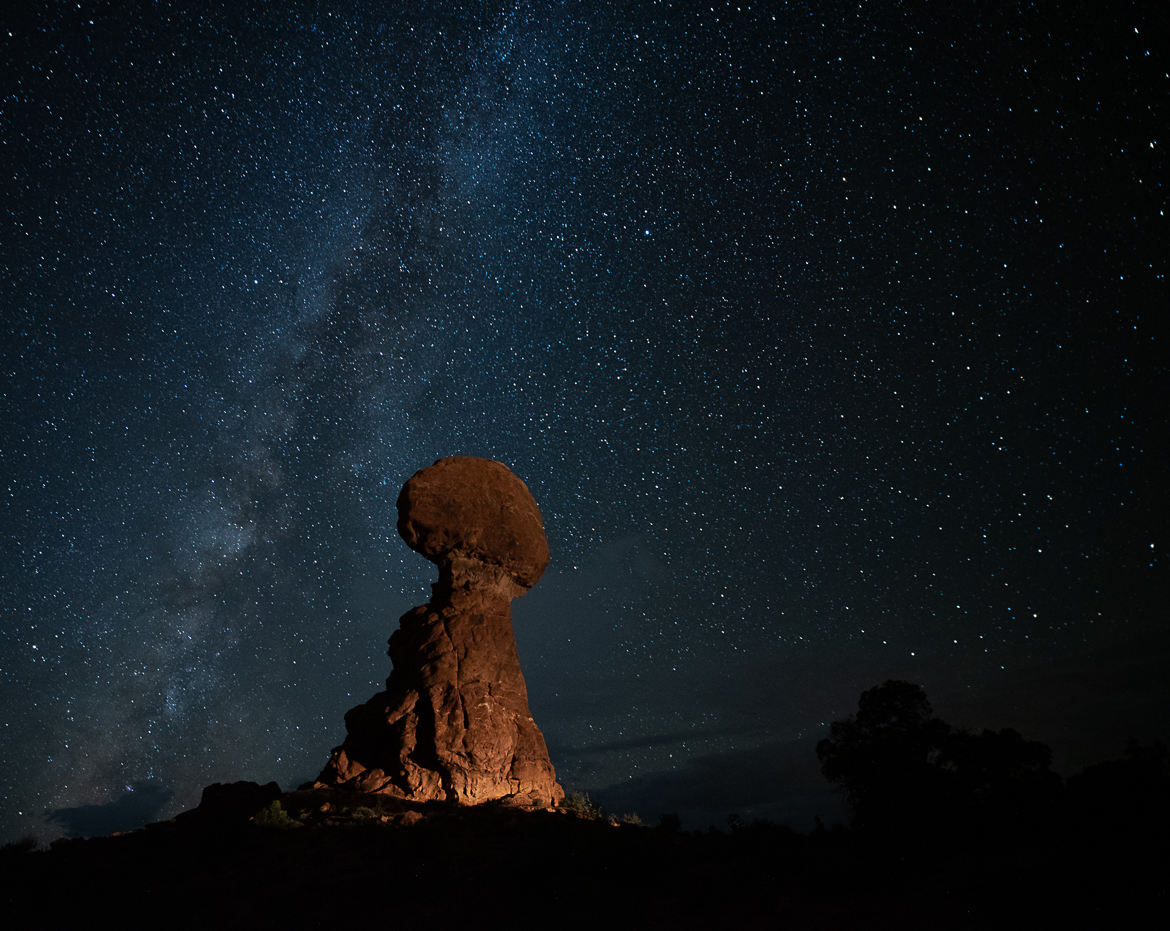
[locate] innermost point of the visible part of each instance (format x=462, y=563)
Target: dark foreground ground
x=350, y=861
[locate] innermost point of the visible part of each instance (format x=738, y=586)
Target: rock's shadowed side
x=454, y=723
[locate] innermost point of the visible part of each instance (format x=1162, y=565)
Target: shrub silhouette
x=999, y=782
x=273, y=815
x=17, y=849
x=669, y=822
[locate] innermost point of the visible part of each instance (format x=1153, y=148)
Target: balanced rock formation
x=454, y=723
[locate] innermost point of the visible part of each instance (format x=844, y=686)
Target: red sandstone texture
x=454, y=724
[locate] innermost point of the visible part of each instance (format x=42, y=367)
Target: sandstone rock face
x=474, y=509
x=454, y=723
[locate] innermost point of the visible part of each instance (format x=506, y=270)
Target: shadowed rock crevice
x=454, y=723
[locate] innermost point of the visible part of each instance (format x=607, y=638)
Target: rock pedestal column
x=454, y=723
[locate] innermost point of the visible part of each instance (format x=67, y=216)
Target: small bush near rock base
x=581, y=806
x=273, y=815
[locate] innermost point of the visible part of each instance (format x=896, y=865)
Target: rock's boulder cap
x=474, y=508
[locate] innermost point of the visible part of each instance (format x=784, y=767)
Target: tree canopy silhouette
x=903, y=769
x=885, y=756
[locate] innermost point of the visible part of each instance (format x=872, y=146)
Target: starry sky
x=825, y=335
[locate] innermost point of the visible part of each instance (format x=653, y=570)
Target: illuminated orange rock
x=454, y=723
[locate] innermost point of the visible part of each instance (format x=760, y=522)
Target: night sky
x=825, y=335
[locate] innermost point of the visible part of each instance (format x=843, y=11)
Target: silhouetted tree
x=885, y=757
x=906, y=772
x=999, y=782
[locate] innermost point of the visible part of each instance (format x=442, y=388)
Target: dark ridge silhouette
x=139, y=804
x=251, y=857
x=951, y=830
x=1127, y=797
